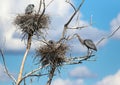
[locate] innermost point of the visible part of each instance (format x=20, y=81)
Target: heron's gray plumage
x=89, y=44
x=29, y=9
x=51, y=42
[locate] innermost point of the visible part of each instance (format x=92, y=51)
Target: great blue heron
x=29, y=9
x=87, y=42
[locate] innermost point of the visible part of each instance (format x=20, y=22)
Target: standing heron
x=87, y=42
x=29, y=9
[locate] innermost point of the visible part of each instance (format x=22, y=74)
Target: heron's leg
x=88, y=51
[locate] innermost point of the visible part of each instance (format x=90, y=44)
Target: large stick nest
x=32, y=24
x=52, y=53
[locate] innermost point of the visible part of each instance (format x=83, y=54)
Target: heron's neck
x=80, y=39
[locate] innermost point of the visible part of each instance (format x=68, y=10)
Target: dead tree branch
x=71, y=5
x=49, y=4
x=5, y=67
x=78, y=60
x=42, y=12
x=109, y=36
x=71, y=18
x=74, y=13
x=31, y=73
x=51, y=75
x=80, y=27
x=39, y=7
x=24, y=59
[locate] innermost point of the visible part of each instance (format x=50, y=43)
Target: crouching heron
x=29, y=9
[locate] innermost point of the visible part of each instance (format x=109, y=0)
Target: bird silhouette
x=87, y=42
x=29, y=9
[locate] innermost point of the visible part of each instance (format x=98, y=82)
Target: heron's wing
x=89, y=43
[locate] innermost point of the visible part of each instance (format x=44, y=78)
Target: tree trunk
x=51, y=75
x=24, y=59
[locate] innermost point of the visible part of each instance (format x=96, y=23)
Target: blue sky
x=106, y=18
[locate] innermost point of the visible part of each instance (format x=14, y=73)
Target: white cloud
x=59, y=8
x=114, y=25
x=82, y=72
x=67, y=82
x=4, y=8
x=110, y=80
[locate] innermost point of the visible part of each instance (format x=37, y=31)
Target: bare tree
x=52, y=54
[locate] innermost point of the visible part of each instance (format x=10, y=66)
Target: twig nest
x=32, y=24
x=52, y=53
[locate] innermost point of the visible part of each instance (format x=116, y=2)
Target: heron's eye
x=33, y=5
x=51, y=42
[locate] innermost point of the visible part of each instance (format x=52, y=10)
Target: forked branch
x=71, y=5
x=71, y=18
x=84, y=26
x=32, y=73
x=74, y=13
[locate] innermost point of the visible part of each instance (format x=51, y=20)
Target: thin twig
x=31, y=75
x=74, y=13
x=28, y=74
x=42, y=12
x=109, y=36
x=49, y=4
x=39, y=6
x=78, y=27
x=24, y=82
x=71, y=5
x=6, y=70
x=35, y=70
x=91, y=20
x=77, y=60
x=114, y=32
